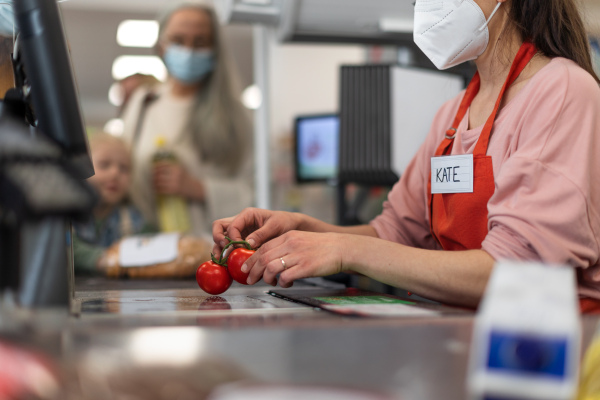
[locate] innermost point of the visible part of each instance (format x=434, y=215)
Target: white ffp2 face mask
x=451, y=32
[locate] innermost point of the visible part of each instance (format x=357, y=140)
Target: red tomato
x=236, y=259
x=213, y=278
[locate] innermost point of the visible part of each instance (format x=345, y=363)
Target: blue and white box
x=527, y=335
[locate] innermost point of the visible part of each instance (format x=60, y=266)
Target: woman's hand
x=296, y=255
x=173, y=179
x=255, y=225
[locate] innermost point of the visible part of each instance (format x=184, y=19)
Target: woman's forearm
x=458, y=277
x=310, y=224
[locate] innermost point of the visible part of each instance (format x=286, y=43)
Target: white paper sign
x=452, y=174
x=138, y=251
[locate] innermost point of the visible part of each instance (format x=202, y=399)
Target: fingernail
x=245, y=268
x=249, y=281
x=252, y=242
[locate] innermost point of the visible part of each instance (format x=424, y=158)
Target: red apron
x=459, y=220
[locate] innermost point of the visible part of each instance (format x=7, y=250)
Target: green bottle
x=173, y=215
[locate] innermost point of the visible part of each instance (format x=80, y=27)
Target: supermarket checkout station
x=67, y=337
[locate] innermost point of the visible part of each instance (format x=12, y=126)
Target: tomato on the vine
x=213, y=278
x=236, y=259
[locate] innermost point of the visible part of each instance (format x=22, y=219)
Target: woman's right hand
x=255, y=225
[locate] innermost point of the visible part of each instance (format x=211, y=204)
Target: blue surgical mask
x=187, y=65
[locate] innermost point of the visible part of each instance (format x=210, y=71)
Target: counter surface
x=152, y=334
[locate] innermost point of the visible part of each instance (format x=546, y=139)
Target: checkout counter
x=133, y=339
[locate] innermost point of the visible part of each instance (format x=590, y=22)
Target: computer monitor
x=44, y=161
x=316, y=139
x=49, y=82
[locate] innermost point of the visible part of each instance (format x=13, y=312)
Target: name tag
x=452, y=174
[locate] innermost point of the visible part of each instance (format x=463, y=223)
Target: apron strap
x=524, y=55
x=472, y=89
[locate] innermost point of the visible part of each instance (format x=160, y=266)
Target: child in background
x=112, y=218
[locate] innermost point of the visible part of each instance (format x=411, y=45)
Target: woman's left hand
x=296, y=255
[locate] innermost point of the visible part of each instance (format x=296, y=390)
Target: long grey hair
x=219, y=123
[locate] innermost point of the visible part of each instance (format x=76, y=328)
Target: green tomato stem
x=242, y=242
x=223, y=259
x=219, y=261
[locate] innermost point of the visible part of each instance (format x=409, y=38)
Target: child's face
x=112, y=165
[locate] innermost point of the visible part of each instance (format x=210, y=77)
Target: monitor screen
x=317, y=148
x=49, y=81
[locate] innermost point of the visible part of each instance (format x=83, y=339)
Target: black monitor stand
x=39, y=194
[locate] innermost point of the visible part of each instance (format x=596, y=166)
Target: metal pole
x=261, y=121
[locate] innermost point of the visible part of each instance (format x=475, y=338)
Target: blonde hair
x=219, y=123
x=99, y=138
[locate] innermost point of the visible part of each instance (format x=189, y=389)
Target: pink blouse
x=545, y=150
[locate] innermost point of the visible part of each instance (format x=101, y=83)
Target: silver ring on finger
x=283, y=263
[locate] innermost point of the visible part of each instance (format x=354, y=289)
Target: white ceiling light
x=115, y=127
x=116, y=95
x=125, y=66
x=252, y=97
x=137, y=33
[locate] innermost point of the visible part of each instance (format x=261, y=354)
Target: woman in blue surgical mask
x=509, y=169
x=197, y=116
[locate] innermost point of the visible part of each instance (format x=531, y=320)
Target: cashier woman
x=530, y=119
